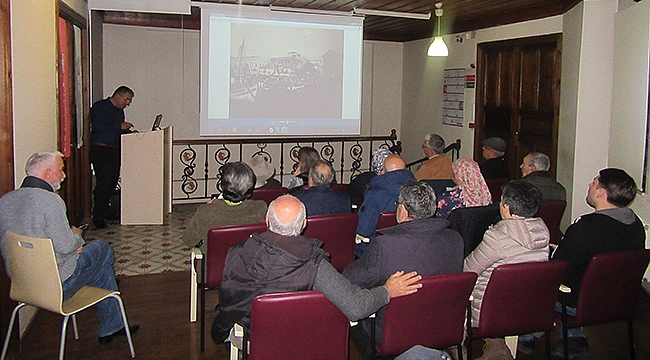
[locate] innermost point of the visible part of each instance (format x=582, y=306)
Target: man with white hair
x=36, y=210
x=534, y=169
x=281, y=260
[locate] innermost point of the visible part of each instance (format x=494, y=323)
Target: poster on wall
x=453, y=92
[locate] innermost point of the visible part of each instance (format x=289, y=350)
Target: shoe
x=495, y=349
x=578, y=346
x=108, y=338
x=100, y=224
x=526, y=347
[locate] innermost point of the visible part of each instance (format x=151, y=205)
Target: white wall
x=162, y=67
x=33, y=59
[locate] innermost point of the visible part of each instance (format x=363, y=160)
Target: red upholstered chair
x=219, y=240
x=337, y=232
x=433, y=317
x=386, y=219
x=551, y=212
x=495, y=188
x=519, y=299
x=268, y=194
x=299, y=325
x=341, y=187
x=609, y=292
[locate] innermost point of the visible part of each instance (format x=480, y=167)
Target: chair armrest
x=565, y=289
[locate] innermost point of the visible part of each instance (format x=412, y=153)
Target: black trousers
x=106, y=162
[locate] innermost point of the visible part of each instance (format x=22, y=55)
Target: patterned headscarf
x=468, y=176
x=378, y=158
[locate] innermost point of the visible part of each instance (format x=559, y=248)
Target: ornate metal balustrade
x=197, y=163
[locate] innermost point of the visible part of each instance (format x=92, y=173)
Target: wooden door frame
x=6, y=152
x=480, y=78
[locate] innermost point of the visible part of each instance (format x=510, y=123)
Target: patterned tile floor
x=148, y=249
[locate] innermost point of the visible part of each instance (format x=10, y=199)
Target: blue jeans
x=419, y=352
x=95, y=268
x=573, y=332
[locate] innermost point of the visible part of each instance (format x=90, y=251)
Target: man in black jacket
x=612, y=227
x=420, y=242
x=281, y=260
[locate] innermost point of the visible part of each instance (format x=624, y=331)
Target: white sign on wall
x=453, y=92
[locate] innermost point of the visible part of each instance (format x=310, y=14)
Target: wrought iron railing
x=197, y=162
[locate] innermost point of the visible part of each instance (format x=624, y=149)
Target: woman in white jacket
x=518, y=237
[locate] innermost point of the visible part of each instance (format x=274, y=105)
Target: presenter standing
x=107, y=119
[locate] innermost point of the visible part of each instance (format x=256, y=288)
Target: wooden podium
x=146, y=177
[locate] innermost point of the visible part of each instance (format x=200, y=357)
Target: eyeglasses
x=127, y=99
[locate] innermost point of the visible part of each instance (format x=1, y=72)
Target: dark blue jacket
x=380, y=197
x=320, y=200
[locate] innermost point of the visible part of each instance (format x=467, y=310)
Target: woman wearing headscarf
x=471, y=189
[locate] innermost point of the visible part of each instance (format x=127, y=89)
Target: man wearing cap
x=264, y=172
x=495, y=165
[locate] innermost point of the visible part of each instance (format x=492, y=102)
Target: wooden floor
x=159, y=303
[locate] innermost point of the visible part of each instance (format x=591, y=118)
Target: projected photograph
x=272, y=66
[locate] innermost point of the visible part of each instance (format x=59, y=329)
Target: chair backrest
x=472, y=222
x=551, y=212
x=433, y=317
x=35, y=276
x=268, y=194
x=341, y=187
x=298, y=325
x=494, y=185
x=440, y=186
x=220, y=239
x=520, y=298
x=337, y=232
x=386, y=219
x=610, y=287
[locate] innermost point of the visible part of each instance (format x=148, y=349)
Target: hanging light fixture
x=438, y=46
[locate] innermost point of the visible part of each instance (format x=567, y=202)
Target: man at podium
x=107, y=124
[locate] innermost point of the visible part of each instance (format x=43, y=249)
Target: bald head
x=394, y=162
x=286, y=216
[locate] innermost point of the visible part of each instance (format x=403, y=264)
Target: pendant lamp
x=438, y=46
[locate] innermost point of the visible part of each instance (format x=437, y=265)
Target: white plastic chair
x=35, y=281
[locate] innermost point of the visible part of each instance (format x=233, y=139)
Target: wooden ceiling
x=459, y=15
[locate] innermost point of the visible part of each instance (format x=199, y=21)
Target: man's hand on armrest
x=400, y=284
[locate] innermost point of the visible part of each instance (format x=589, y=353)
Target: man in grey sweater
x=36, y=210
x=281, y=260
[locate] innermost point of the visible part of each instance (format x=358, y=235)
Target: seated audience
x=419, y=243
x=281, y=260
x=380, y=197
x=318, y=197
x=612, y=227
x=438, y=167
x=470, y=191
x=518, y=238
x=264, y=172
x=307, y=156
x=495, y=165
x=232, y=207
x=36, y=210
x=534, y=169
x=360, y=183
